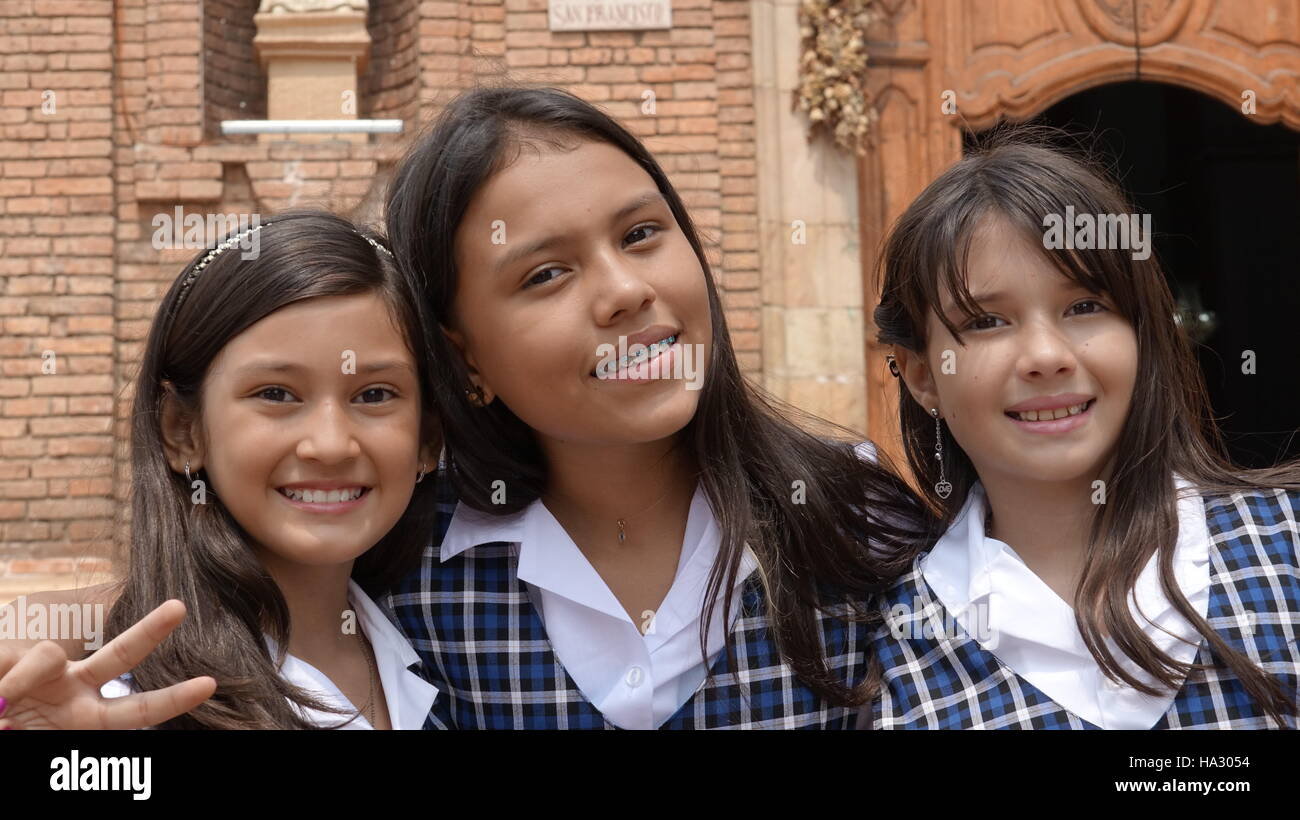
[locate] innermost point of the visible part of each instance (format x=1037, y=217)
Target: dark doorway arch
x=1224, y=195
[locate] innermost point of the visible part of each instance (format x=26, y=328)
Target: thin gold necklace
x=622, y=521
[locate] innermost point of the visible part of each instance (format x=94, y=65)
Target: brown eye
x=653, y=228
x=984, y=322
x=273, y=390
x=536, y=280
x=374, y=390
x=1098, y=307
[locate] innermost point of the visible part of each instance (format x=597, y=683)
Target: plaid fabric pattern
x=949, y=682
x=483, y=644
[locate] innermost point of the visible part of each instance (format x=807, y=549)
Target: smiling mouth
x=1053, y=414
x=324, y=496
x=610, y=369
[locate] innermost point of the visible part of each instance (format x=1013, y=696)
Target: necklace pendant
x=622, y=534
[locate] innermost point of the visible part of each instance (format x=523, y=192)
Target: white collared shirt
x=1012, y=613
x=637, y=681
x=409, y=696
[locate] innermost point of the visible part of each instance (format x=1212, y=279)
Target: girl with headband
x=280, y=451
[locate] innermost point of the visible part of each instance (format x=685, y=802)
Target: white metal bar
x=311, y=126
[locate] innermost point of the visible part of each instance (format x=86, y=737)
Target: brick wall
x=56, y=285
x=139, y=90
x=389, y=88
x=234, y=87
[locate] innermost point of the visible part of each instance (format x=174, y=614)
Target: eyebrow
x=290, y=367
x=981, y=298
x=528, y=249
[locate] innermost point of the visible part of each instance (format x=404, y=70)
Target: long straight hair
x=813, y=556
x=199, y=553
x=1019, y=176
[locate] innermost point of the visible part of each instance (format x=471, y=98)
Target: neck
x=316, y=597
x=1046, y=523
x=605, y=484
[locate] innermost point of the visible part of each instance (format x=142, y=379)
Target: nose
x=1045, y=352
x=329, y=436
x=621, y=289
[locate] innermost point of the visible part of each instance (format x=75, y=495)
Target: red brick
x=90, y=486
x=82, y=446
x=76, y=8
x=25, y=531
x=527, y=57
x=25, y=407
x=32, y=488
x=71, y=385
x=73, y=185
x=189, y=170
x=90, y=404
x=70, y=508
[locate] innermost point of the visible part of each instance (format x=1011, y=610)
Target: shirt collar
x=472, y=528
x=408, y=696
x=1009, y=611
x=549, y=559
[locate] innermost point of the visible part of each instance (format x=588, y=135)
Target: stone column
x=312, y=52
x=813, y=325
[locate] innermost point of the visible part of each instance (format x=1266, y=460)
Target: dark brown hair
x=812, y=555
x=1017, y=175
x=199, y=553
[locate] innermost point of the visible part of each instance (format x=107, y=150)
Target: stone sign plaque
x=610, y=15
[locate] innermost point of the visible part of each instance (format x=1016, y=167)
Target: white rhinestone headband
x=230, y=242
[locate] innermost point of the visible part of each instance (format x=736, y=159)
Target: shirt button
x=634, y=677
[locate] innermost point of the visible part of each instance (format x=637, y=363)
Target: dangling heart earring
x=942, y=487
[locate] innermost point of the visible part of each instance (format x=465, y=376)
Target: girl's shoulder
x=1259, y=521
x=1258, y=506
x=1256, y=498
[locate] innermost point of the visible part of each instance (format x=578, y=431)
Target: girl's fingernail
x=4, y=704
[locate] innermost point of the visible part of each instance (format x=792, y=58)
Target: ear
x=429, y=458
x=917, y=376
x=458, y=339
x=180, y=432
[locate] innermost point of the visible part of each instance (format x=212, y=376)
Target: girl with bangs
x=280, y=441
x=628, y=551
x=1098, y=563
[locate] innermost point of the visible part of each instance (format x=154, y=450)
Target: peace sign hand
x=41, y=689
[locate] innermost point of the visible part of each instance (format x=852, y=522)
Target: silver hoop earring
x=942, y=486
x=420, y=477
x=187, y=472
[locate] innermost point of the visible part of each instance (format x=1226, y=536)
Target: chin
x=322, y=555
x=666, y=421
x=1058, y=471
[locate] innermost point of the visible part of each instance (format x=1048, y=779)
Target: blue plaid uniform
x=947, y=682
x=482, y=643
